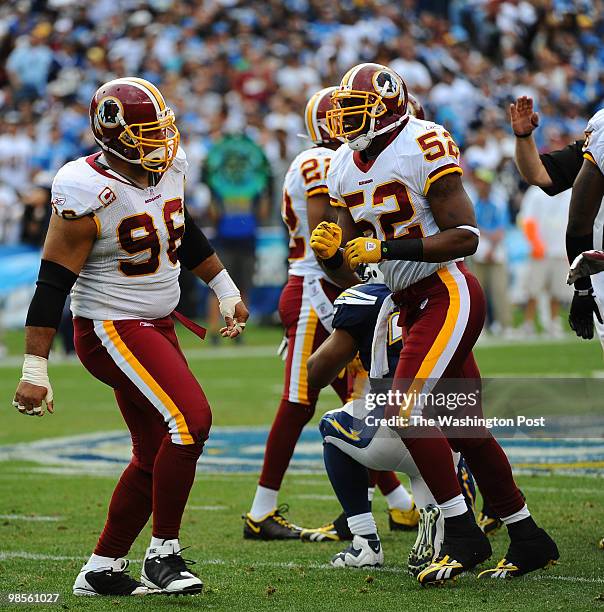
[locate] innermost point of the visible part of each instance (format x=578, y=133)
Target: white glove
x=35, y=372
x=586, y=264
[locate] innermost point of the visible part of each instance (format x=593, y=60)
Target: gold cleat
x=403, y=520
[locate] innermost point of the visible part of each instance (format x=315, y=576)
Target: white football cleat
x=166, y=570
x=428, y=541
x=360, y=553
x=112, y=580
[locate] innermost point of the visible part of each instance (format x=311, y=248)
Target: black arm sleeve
x=563, y=166
x=194, y=246
x=53, y=284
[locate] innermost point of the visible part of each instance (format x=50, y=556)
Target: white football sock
x=454, y=506
x=265, y=501
x=97, y=562
x=399, y=498
x=517, y=516
x=362, y=524
x=173, y=544
x=370, y=493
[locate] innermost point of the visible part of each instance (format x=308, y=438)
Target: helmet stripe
x=311, y=117
x=153, y=92
x=143, y=88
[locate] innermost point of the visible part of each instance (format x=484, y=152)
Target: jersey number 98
x=138, y=234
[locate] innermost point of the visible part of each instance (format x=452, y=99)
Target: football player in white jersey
x=306, y=311
x=585, y=231
x=402, y=204
x=118, y=235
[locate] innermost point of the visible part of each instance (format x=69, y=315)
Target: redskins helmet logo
x=108, y=110
x=386, y=84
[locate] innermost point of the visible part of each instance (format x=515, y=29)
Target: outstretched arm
x=331, y=358
x=524, y=120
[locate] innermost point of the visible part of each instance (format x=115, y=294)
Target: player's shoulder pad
x=78, y=190
x=596, y=122
x=407, y=143
x=180, y=163
x=359, y=305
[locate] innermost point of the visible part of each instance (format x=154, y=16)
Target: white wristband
x=227, y=293
x=35, y=372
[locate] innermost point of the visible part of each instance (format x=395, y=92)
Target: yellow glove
x=362, y=250
x=325, y=239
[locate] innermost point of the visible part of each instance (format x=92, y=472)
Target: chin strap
x=364, y=140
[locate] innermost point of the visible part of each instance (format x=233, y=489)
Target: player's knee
x=195, y=428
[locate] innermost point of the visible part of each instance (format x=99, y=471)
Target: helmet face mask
x=155, y=154
x=129, y=119
x=371, y=100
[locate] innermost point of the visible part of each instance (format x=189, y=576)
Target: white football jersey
x=305, y=177
x=132, y=270
x=387, y=196
x=593, y=150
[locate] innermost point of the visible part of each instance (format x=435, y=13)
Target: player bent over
x=118, y=235
x=366, y=320
x=400, y=181
x=306, y=310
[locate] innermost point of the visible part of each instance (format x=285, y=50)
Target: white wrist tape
x=35, y=372
x=227, y=293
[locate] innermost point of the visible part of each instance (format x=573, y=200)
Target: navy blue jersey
x=356, y=311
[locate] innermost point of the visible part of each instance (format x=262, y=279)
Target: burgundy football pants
x=442, y=317
x=168, y=417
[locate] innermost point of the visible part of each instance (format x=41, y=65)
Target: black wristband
x=523, y=135
x=54, y=283
x=575, y=245
x=194, y=247
x=406, y=249
x=335, y=261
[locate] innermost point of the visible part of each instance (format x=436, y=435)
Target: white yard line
x=20, y=554
x=207, y=508
x=26, y=517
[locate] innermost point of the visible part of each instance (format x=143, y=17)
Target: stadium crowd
x=233, y=66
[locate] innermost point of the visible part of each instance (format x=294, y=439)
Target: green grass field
x=243, y=384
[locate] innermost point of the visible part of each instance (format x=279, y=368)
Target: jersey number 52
x=138, y=234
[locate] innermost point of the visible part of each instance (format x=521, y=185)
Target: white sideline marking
x=21, y=554
x=198, y=353
x=564, y=489
x=208, y=507
x=25, y=517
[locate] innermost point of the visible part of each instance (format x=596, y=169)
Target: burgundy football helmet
x=314, y=117
x=371, y=100
x=130, y=119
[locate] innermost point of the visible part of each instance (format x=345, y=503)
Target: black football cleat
x=424, y=549
x=403, y=520
x=274, y=526
x=165, y=570
x=464, y=547
x=538, y=551
x=111, y=581
x=336, y=531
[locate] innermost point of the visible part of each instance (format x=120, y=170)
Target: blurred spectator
x=36, y=211
x=543, y=219
x=238, y=174
x=489, y=261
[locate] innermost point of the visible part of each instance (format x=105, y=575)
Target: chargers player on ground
x=118, y=235
x=306, y=310
x=366, y=320
x=400, y=182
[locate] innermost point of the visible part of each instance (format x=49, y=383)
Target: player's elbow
x=467, y=243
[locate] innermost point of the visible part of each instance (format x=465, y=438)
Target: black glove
x=582, y=310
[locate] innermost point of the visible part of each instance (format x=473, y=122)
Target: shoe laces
x=176, y=562
x=506, y=565
x=444, y=561
x=280, y=519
